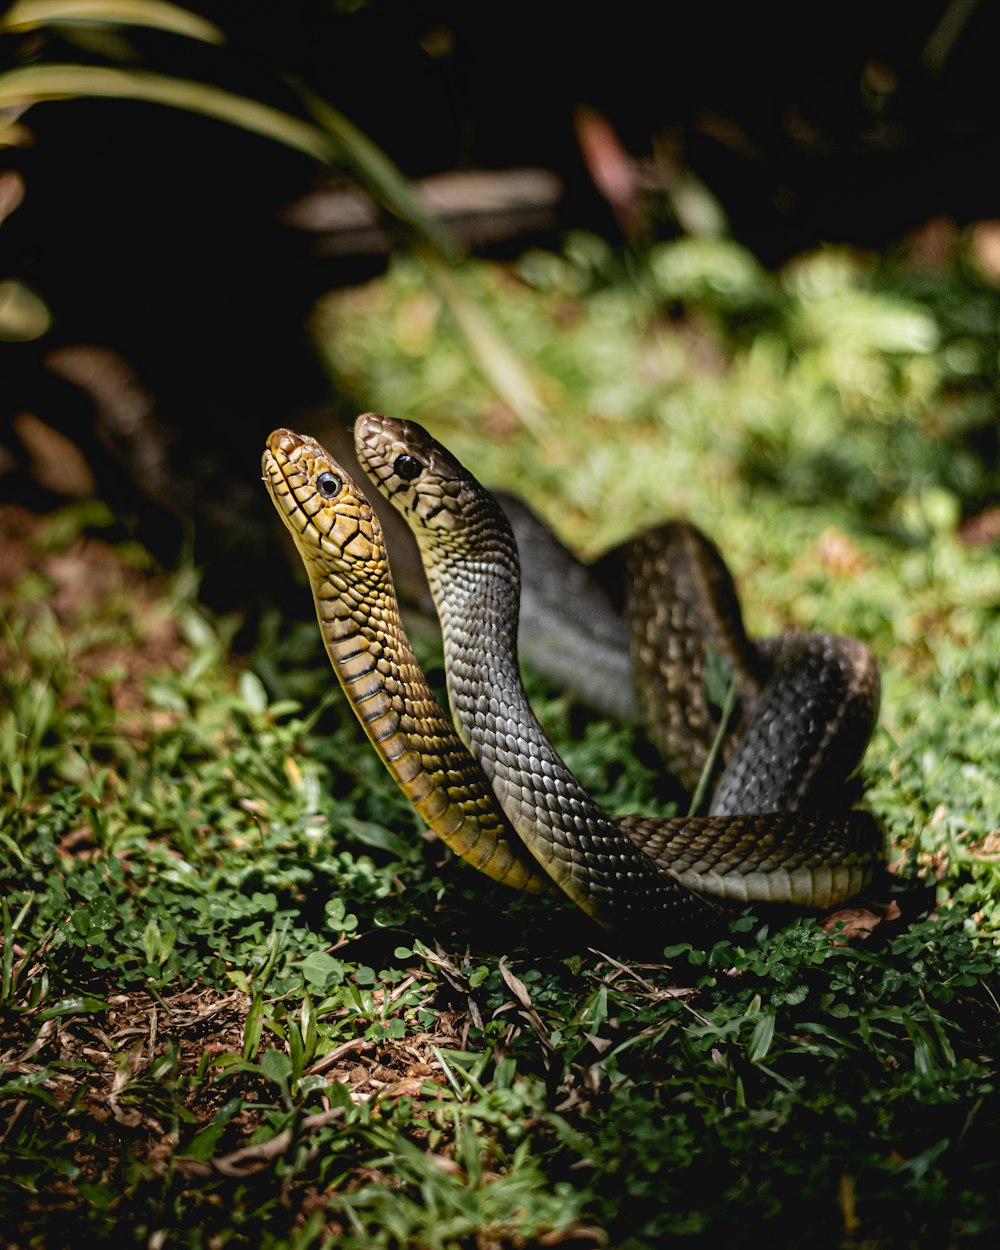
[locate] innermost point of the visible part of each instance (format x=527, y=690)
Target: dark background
x=179, y=297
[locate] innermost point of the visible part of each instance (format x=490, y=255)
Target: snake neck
x=477, y=598
x=372, y=659
x=475, y=587
x=373, y=662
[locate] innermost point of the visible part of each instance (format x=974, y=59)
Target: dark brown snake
x=629, y=873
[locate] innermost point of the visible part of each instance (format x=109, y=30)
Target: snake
x=773, y=835
x=678, y=868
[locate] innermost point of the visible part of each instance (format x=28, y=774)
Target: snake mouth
x=280, y=446
x=282, y=471
x=283, y=440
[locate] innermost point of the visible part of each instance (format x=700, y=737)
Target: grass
x=245, y=1001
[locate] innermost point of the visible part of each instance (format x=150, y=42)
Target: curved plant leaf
x=26, y=15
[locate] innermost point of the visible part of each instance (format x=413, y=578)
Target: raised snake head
x=450, y=513
x=331, y=522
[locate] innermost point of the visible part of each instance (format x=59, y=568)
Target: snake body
x=619, y=870
x=805, y=703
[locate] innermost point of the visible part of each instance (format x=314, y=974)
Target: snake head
x=419, y=477
x=437, y=496
x=331, y=522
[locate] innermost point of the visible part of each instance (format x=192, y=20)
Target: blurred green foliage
x=693, y=379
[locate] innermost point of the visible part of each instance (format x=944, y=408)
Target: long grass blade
x=26, y=15
x=7, y=976
x=33, y=84
x=502, y=368
x=377, y=173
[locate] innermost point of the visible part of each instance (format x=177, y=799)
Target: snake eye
x=329, y=485
x=407, y=467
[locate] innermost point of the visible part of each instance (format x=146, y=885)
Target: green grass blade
x=33, y=84
x=157, y=14
x=501, y=367
x=253, y=1027
x=377, y=173
x=720, y=736
x=8, y=953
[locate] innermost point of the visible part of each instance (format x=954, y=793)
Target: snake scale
x=542, y=826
